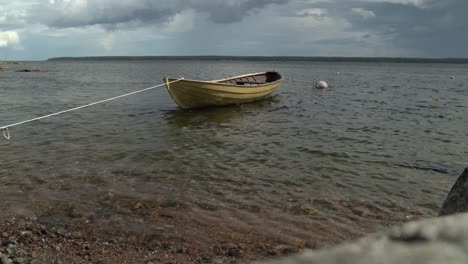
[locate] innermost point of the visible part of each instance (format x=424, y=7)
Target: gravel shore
x=39, y=240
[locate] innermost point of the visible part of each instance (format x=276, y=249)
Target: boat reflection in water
x=226, y=115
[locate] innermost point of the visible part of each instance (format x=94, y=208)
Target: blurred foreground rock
x=457, y=199
x=431, y=241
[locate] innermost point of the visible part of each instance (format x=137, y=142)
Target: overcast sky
x=40, y=29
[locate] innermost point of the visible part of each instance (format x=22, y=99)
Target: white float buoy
x=321, y=84
x=337, y=73
x=452, y=77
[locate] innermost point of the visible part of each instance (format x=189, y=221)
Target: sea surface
x=382, y=146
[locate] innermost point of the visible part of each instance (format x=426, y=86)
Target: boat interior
x=255, y=79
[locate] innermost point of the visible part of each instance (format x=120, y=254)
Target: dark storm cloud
x=79, y=13
x=232, y=11
x=439, y=29
x=425, y=28
x=419, y=28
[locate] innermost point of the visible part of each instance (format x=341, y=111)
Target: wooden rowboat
x=191, y=94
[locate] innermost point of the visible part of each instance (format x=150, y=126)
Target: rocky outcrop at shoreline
x=457, y=199
x=431, y=241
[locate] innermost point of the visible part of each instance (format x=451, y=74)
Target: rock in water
x=457, y=199
x=33, y=69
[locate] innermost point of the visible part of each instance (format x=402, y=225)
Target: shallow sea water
x=385, y=143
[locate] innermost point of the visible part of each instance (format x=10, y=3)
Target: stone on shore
x=432, y=241
x=4, y=259
x=457, y=199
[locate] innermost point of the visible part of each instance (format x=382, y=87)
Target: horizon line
x=271, y=58
x=256, y=56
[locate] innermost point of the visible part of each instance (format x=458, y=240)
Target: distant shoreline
x=266, y=58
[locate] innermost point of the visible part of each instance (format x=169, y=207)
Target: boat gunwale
x=216, y=82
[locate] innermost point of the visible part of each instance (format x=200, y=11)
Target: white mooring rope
x=6, y=131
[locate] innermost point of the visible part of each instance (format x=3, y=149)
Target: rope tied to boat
x=6, y=131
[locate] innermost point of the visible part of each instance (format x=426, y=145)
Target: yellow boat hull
x=190, y=94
